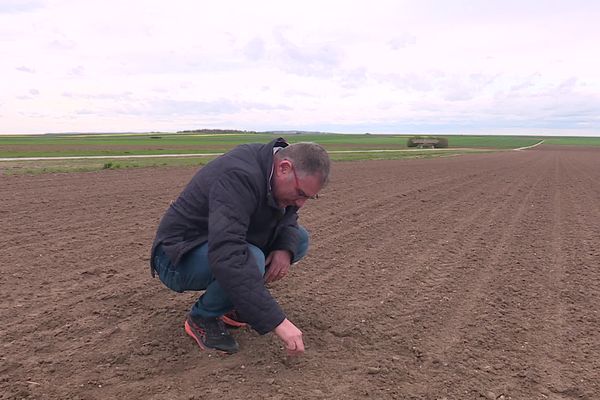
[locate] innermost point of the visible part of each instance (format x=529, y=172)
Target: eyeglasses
x=299, y=191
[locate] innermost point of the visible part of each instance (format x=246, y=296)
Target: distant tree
x=217, y=131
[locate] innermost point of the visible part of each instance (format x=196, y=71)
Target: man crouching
x=233, y=229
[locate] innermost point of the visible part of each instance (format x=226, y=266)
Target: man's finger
x=274, y=270
x=268, y=277
x=291, y=345
x=300, y=345
x=296, y=347
x=271, y=274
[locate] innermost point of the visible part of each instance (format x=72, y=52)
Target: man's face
x=291, y=188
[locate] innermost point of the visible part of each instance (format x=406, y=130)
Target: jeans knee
x=167, y=275
x=303, y=244
x=259, y=257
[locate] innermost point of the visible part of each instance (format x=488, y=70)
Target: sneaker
x=210, y=333
x=233, y=320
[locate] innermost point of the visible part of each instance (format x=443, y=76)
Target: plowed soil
x=468, y=277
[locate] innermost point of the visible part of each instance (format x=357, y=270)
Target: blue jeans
x=194, y=273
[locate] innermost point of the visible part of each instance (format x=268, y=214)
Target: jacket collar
x=267, y=155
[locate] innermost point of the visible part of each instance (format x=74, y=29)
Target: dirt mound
x=461, y=278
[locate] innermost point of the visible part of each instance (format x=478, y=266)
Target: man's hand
x=291, y=337
x=278, y=263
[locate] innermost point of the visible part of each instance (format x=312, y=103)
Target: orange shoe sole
x=232, y=322
x=189, y=331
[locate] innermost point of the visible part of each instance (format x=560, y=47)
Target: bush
x=436, y=142
x=442, y=143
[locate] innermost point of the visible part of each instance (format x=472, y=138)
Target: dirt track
x=467, y=277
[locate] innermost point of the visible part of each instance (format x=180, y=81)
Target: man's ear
x=284, y=166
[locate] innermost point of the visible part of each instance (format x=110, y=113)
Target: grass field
x=124, y=144
x=350, y=147
x=574, y=141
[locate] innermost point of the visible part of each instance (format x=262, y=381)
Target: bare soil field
x=467, y=277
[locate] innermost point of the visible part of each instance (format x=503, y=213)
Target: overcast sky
x=447, y=66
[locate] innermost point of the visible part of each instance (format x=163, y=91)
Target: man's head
x=300, y=171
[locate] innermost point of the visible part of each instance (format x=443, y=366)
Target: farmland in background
x=574, y=141
x=343, y=147
x=124, y=144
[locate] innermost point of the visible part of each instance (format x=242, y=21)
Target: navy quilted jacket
x=229, y=203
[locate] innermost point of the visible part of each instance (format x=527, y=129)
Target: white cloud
x=19, y=6
x=353, y=66
x=23, y=68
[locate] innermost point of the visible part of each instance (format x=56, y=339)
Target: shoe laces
x=216, y=327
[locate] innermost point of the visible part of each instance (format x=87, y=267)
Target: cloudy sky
x=422, y=66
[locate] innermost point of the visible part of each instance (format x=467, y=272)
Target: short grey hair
x=308, y=158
